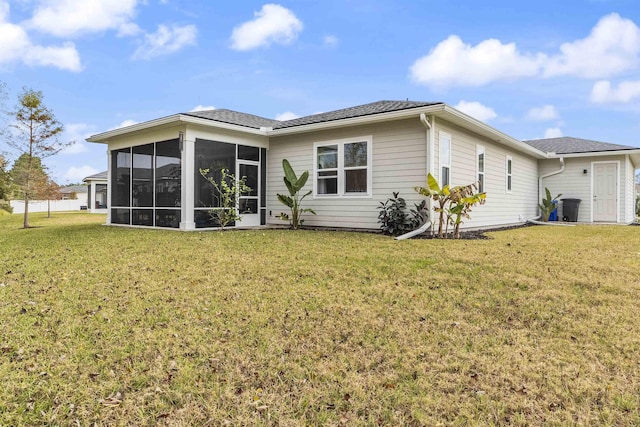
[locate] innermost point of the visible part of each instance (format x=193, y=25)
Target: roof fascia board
x=629, y=152
x=173, y=119
x=361, y=120
x=501, y=137
x=221, y=125
x=105, y=136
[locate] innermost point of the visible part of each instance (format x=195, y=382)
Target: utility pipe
x=415, y=232
x=559, y=171
x=536, y=222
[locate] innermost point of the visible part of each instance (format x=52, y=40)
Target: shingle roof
x=74, y=189
x=234, y=118
x=569, y=145
x=99, y=175
x=358, y=111
x=256, y=122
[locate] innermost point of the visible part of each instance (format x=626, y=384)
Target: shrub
x=5, y=207
x=227, y=190
x=395, y=220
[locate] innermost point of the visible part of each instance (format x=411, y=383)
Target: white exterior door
x=249, y=204
x=605, y=192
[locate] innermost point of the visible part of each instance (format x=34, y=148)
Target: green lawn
x=117, y=326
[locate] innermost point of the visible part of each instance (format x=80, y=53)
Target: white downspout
x=429, y=145
x=430, y=140
x=547, y=175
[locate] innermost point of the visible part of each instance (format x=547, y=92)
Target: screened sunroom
x=155, y=180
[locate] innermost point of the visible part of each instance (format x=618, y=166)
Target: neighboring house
x=74, y=192
x=73, y=198
x=97, y=192
x=356, y=158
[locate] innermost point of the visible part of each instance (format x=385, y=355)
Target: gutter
x=629, y=152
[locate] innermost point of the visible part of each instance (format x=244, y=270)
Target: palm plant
x=293, y=200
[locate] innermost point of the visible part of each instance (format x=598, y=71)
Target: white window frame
x=480, y=150
x=444, y=163
x=341, y=168
x=508, y=176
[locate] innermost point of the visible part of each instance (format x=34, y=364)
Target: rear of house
x=356, y=157
x=600, y=175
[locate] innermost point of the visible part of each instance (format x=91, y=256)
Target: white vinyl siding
x=629, y=193
x=500, y=208
x=574, y=183
x=397, y=159
x=508, y=174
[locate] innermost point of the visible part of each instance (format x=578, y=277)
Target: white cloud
x=287, y=116
x=202, y=108
x=454, y=63
x=124, y=124
x=272, y=24
x=77, y=173
x=544, y=113
x=166, y=40
x=18, y=47
x=330, y=41
x=77, y=147
x=553, y=133
x=612, y=47
x=76, y=133
x=602, y=92
x=69, y=18
x=476, y=110
x=4, y=10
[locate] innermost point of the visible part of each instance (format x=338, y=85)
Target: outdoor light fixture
x=584, y=171
x=180, y=140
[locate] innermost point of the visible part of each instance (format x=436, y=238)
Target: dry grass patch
x=119, y=326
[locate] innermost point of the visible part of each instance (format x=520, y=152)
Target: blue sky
x=530, y=69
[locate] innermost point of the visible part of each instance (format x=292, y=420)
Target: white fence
x=42, y=205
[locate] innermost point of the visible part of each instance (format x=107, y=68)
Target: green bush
x=5, y=207
x=395, y=220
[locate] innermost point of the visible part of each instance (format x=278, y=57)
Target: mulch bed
x=473, y=234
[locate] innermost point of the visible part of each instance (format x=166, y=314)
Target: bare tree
x=34, y=132
x=51, y=192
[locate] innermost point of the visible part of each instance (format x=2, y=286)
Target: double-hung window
x=343, y=168
x=508, y=169
x=445, y=159
x=481, y=165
